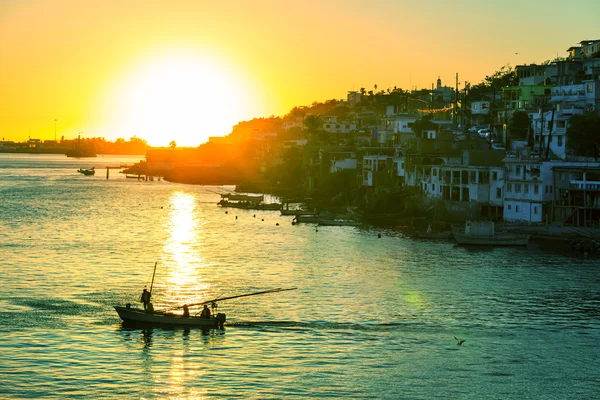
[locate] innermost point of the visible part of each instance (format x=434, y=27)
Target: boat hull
x=495, y=240
x=331, y=222
x=138, y=316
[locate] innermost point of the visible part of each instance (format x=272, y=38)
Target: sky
x=185, y=70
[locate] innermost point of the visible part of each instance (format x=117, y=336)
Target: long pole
x=154, y=273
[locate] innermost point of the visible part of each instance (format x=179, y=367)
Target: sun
x=179, y=97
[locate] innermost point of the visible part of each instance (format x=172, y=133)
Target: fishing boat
x=87, y=171
x=172, y=317
x=484, y=234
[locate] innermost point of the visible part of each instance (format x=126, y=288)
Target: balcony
x=584, y=185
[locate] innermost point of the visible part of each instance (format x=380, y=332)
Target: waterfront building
x=527, y=187
x=576, y=199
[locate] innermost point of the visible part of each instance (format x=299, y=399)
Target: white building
x=341, y=161
x=527, y=189
x=567, y=101
x=332, y=125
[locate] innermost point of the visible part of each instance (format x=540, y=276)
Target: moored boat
x=484, y=234
x=88, y=171
x=337, y=222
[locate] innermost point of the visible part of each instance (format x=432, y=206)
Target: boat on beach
x=483, y=234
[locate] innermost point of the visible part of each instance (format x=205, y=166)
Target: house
x=576, y=199
x=527, y=188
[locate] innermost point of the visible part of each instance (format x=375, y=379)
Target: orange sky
x=186, y=70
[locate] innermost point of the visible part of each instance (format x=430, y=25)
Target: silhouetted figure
x=205, y=312
x=145, y=299
x=186, y=310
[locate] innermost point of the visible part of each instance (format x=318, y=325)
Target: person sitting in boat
x=205, y=312
x=145, y=299
x=186, y=310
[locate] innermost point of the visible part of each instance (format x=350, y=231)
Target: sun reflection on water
x=182, y=250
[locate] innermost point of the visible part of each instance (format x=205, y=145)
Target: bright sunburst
x=182, y=97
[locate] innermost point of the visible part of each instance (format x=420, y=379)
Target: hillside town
x=520, y=147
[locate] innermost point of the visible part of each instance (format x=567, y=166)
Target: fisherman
x=186, y=310
x=205, y=312
x=145, y=299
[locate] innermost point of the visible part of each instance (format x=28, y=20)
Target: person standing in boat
x=205, y=312
x=145, y=299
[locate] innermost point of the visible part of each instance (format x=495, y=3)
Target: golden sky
x=185, y=70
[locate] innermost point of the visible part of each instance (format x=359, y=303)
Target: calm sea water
x=372, y=317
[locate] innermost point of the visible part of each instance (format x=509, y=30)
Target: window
x=516, y=208
x=434, y=171
x=518, y=188
x=472, y=177
x=433, y=187
x=560, y=124
x=518, y=170
x=526, y=188
x=494, y=176
x=498, y=193
x=536, y=189
x=535, y=209
x=546, y=189
x=509, y=187
x=509, y=207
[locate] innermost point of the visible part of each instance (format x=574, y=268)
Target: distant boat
x=88, y=171
x=484, y=234
x=243, y=197
x=435, y=235
x=337, y=222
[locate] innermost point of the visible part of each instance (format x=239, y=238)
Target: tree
x=519, y=125
x=173, y=144
x=583, y=136
x=506, y=76
x=312, y=124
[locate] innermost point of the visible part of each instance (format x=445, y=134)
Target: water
x=372, y=318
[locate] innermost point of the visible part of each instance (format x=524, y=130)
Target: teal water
x=372, y=317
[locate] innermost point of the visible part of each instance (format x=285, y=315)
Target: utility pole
x=456, y=103
x=55, y=129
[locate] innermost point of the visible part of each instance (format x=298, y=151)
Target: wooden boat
x=296, y=212
x=484, y=234
x=306, y=218
x=137, y=316
x=243, y=197
x=337, y=222
x=88, y=172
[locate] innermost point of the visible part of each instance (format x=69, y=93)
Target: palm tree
x=313, y=124
x=173, y=144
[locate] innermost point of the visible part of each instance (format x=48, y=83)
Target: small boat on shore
x=483, y=234
x=87, y=172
